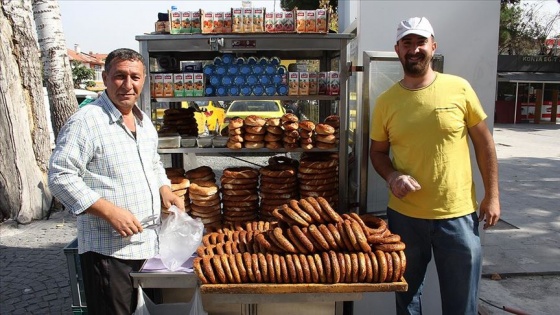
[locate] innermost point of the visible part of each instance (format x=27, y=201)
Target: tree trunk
x=56, y=65
x=24, y=136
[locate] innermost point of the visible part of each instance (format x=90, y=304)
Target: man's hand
x=489, y=212
x=168, y=198
x=400, y=184
x=124, y=222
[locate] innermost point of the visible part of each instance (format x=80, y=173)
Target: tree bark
x=56, y=65
x=24, y=136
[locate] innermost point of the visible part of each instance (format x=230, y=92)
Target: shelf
x=250, y=98
x=239, y=151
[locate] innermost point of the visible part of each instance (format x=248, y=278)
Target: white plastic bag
x=180, y=236
x=145, y=306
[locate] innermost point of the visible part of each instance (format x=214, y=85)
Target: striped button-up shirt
x=95, y=157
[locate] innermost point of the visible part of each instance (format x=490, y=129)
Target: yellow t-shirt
x=427, y=129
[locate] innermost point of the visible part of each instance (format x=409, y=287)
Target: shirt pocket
x=449, y=118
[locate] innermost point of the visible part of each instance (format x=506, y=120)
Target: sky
x=102, y=26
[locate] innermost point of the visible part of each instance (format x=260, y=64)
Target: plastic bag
x=180, y=236
x=145, y=306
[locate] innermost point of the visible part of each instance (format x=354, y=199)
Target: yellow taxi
x=261, y=108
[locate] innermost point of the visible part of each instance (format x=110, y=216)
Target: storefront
x=527, y=89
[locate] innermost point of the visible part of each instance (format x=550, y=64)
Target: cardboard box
x=198, y=82
x=237, y=20
x=333, y=78
x=178, y=86
x=207, y=22
x=175, y=22
x=303, y=83
x=189, y=83
x=258, y=20
x=196, y=22
x=227, y=22
x=322, y=21
x=313, y=83
x=158, y=85
x=288, y=22
x=300, y=21
x=310, y=21
x=186, y=21
x=278, y=22
x=168, y=85
x=293, y=83
x=247, y=20
x=269, y=25
x=218, y=22
x=322, y=83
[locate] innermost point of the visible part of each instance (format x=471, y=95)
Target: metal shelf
x=264, y=97
x=245, y=151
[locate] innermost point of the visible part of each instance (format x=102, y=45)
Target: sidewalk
x=523, y=249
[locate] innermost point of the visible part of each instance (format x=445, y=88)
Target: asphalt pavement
x=521, y=267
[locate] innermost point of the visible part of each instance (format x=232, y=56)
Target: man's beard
x=416, y=69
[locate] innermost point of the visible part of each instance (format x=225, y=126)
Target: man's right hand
x=124, y=222
x=401, y=184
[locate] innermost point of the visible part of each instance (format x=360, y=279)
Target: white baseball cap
x=415, y=25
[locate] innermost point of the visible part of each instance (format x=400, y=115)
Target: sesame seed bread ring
x=330, y=139
x=204, y=188
x=382, y=265
x=325, y=146
x=396, y=266
x=316, y=234
x=263, y=267
x=360, y=237
x=294, y=215
x=179, y=183
x=374, y=266
x=351, y=237
x=299, y=269
x=289, y=126
x=327, y=267
x=234, y=269
x=205, y=214
x=320, y=269
x=235, y=123
x=291, y=268
x=284, y=270
x=270, y=137
x=392, y=247
x=248, y=263
x=327, y=235
x=326, y=207
x=369, y=270
x=329, y=175
x=278, y=180
x=391, y=238
x=296, y=242
x=307, y=125
x=286, y=196
x=402, y=257
x=248, y=137
x=289, y=117
x=206, y=203
x=241, y=172
x=254, y=120
x=336, y=236
x=324, y=129
x=277, y=268
x=273, y=121
x=271, y=268
x=199, y=172
x=310, y=210
x=342, y=266
x=249, y=197
x=208, y=270
x=283, y=241
x=279, y=159
x=389, y=267
x=325, y=194
x=289, y=190
x=344, y=236
x=227, y=269
x=241, y=267
x=273, y=145
x=237, y=181
x=335, y=267
x=313, y=269
x=218, y=269
x=198, y=270
x=235, y=131
x=319, y=163
x=333, y=120
x=302, y=238
x=276, y=130
x=252, y=185
x=306, y=187
x=253, y=144
x=355, y=264
x=309, y=170
x=278, y=170
x=256, y=268
x=234, y=145
x=281, y=186
x=255, y=130
x=301, y=212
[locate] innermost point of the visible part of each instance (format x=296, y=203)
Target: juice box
x=310, y=21
x=158, y=85
x=258, y=20
x=293, y=83
x=175, y=22
x=269, y=25
x=322, y=83
x=198, y=82
x=278, y=22
x=195, y=24
x=227, y=22
x=303, y=83
x=178, y=87
x=207, y=22
x=247, y=20
x=313, y=84
x=322, y=21
x=189, y=83
x=152, y=85
x=186, y=21
x=237, y=20
x=217, y=22
x=289, y=22
x=333, y=78
x=300, y=21
x=168, y=85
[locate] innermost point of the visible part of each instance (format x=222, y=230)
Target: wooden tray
x=270, y=288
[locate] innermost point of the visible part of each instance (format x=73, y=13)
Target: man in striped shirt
x=106, y=170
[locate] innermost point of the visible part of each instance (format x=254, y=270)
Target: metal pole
x=515, y=108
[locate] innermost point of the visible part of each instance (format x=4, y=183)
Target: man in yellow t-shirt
x=419, y=145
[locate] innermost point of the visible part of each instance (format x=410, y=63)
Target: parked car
x=261, y=108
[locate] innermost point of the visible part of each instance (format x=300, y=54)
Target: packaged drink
x=237, y=20
x=215, y=80
x=281, y=70
x=158, y=85
x=174, y=21
x=245, y=90
x=232, y=69
x=275, y=61
x=303, y=83
x=277, y=79
x=252, y=79
x=217, y=22
x=239, y=80
x=270, y=69
x=245, y=69
x=221, y=69
x=227, y=59
x=227, y=80
x=247, y=20
x=278, y=18
x=270, y=89
x=258, y=20
x=269, y=22
x=258, y=90
x=227, y=22
x=333, y=83
x=196, y=22
x=322, y=83
x=300, y=21
x=322, y=20
x=282, y=89
x=288, y=22
x=310, y=21
x=313, y=84
x=198, y=82
x=217, y=61
x=221, y=91
x=258, y=69
x=189, y=84
x=209, y=91
x=240, y=61
x=252, y=60
x=264, y=79
x=168, y=85
x=233, y=90
x=207, y=22
x=293, y=83
x=178, y=87
x=263, y=61
x=208, y=70
x=186, y=22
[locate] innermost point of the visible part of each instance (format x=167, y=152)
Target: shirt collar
x=114, y=113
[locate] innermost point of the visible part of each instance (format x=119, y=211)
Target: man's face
x=124, y=82
x=415, y=53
